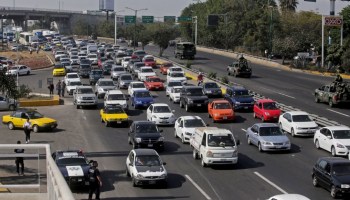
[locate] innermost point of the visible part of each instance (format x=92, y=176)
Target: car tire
x=129, y=140
x=248, y=141
x=127, y=172
x=317, y=144
x=175, y=135
x=169, y=98
x=28, y=72
x=333, y=152
x=102, y=120
x=195, y=154
x=10, y=126
x=259, y=147
x=35, y=128
x=334, y=192
x=314, y=181
x=181, y=104
x=292, y=132
x=330, y=103
x=12, y=107
x=183, y=139
x=280, y=125
x=317, y=100
x=187, y=108
x=106, y=124
x=202, y=162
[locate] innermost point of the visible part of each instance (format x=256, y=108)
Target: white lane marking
x=84, y=118
x=244, y=130
x=279, y=93
x=197, y=186
x=338, y=113
x=270, y=182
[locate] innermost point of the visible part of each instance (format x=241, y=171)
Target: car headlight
x=79, y=98
x=188, y=133
x=345, y=186
x=267, y=114
x=216, y=114
x=122, y=83
x=209, y=91
x=138, y=140
x=154, y=116
x=163, y=176
x=190, y=101
x=139, y=176
x=237, y=102
x=209, y=154
x=161, y=139
x=299, y=128
x=340, y=145
x=266, y=143
x=287, y=143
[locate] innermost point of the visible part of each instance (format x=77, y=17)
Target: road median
x=53, y=101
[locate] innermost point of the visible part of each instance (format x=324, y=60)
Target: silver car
x=116, y=71
x=124, y=81
x=102, y=86
x=268, y=137
x=7, y=103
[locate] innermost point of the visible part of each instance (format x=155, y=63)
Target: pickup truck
x=239, y=98
x=193, y=97
x=239, y=69
x=7, y=103
x=84, y=96
x=334, y=94
x=95, y=75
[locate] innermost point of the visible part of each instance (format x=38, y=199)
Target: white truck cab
x=214, y=146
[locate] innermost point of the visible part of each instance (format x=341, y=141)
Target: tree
x=8, y=85
x=288, y=5
x=161, y=36
x=335, y=53
x=146, y=36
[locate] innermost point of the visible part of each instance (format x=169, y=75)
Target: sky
x=157, y=8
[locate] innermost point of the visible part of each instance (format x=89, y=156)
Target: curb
x=4, y=190
x=32, y=103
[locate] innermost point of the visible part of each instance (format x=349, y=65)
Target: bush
x=188, y=64
x=23, y=91
x=224, y=79
x=212, y=75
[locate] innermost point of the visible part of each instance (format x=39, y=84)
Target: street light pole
x=135, y=10
x=195, y=29
x=115, y=25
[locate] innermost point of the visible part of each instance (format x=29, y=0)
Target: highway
x=256, y=176
x=288, y=87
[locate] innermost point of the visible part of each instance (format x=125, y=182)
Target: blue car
x=141, y=98
x=239, y=98
x=74, y=167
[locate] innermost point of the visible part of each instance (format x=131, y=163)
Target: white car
x=335, y=139
x=19, y=69
x=170, y=85
x=288, y=197
x=176, y=76
x=59, y=54
x=144, y=72
x=71, y=77
x=125, y=61
x=161, y=114
x=175, y=69
x=185, y=127
x=145, y=167
x=297, y=123
x=174, y=94
x=71, y=86
x=74, y=60
x=93, y=59
x=135, y=85
x=115, y=97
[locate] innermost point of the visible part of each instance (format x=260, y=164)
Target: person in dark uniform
x=19, y=160
x=339, y=79
x=95, y=181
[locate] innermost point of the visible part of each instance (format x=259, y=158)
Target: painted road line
x=279, y=93
x=244, y=130
x=339, y=113
x=197, y=186
x=270, y=182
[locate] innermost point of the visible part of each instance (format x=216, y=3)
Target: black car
x=107, y=67
x=212, y=89
x=84, y=70
x=333, y=174
x=95, y=75
x=74, y=167
x=145, y=134
x=193, y=97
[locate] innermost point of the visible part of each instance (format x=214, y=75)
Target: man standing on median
x=19, y=160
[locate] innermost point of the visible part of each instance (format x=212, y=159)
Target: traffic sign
x=130, y=19
x=169, y=19
x=147, y=19
x=184, y=19
x=333, y=21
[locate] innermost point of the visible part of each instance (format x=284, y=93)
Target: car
x=154, y=83
x=58, y=55
x=145, y=167
x=193, y=97
x=107, y=67
x=8, y=103
x=74, y=167
x=139, y=54
x=93, y=58
x=174, y=94
x=119, y=57
x=125, y=61
x=116, y=97
x=72, y=85
x=333, y=174
x=149, y=61
x=84, y=96
x=19, y=70
x=114, y=114
x=134, y=86
x=141, y=98
x=175, y=69
x=102, y=86
x=109, y=52
x=170, y=85
x=212, y=89
x=267, y=137
x=334, y=139
x=95, y=75
x=65, y=61
x=116, y=71
x=239, y=68
x=297, y=123
x=39, y=122
x=145, y=134
x=176, y=76
x=266, y=110
x=124, y=81
x=239, y=98
x=164, y=67
x=134, y=67
x=74, y=60
x=289, y=197
x=84, y=70
x=71, y=77
x=59, y=70
x=161, y=114
x=220, y=110
x=185, y=127
x=145, y=72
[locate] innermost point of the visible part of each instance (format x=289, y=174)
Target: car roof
x=265, y=100
x=334, y=160
x=141, y=152
x=191, y=117
x=298, y=113
x=178, y=87
x=336, y=128
x=160, y=104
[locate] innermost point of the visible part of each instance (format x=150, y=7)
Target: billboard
x=106, y=5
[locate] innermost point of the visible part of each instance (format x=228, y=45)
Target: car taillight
x=335, y=97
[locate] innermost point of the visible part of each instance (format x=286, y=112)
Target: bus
x=25, y=38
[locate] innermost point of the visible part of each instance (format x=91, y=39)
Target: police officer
x=95, y=181
x=19, y=160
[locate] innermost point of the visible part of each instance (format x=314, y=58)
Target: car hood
x=164, y=114
x=118, y=116
x=58, y=70
x=147, y=73
x=126, y=81
x=175, y=94
x=273, y=112
x=275, y=139
x=73, y=80
x=150, y=169
x=311, y=124
x=107, y=87
x=178, y=78
x=155, y=83
x=86, y=95
x=223, y=111
x=71, y=87
x=345, y=142
x=74, y=170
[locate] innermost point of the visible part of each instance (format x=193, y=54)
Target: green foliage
x=23, y=91
x=161, y=37
x=8, y=85
x=224, y=79
x=335, y=53
x=212, y=75
x=188, y=64
x=288, y=5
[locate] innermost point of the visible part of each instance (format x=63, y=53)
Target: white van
x=214, y=146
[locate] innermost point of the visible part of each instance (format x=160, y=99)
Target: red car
x=164, y=67
x=100, y=62
x=149, y=61
x=266, y=110
x=154, y=83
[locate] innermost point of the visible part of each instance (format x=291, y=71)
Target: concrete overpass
x=62, y=18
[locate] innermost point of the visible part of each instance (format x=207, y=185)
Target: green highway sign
x=169, y=19
x=130, y=19
x=184, y=19
x=147, y=19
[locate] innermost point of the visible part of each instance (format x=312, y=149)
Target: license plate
x=225, y=117
x=150, y=145
x=87, y=183
x=119, y=122
x=245, y=107
x=152, y=182
x=157, y=87
x=222, y=159
x=80, y=179
x=199, y=105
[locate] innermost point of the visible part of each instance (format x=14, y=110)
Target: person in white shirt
x=27, y=129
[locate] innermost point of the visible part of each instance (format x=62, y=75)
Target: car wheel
x=102, y=120
x=259, y=147
x=78, y=106
x=202, y=162
x=35, y=128
x=127, y=172
x=28, y=72
x=292, y=132
x=181, y=104
x=169, y=98
x=314, y=181
x=133, y=181
x=254, y=115
x=333, y=192
x=248, y=141
x=12, y=107
x=134, y=145
x=10, y=126
x=187, y=108
x=175, y=135
x=209, y=115
x=194, y=154
x=317, y=144
x=317, y=100
x=129, y=140
x=333, y=152
x=106, y=123
x=182, y=138
x=330, y=103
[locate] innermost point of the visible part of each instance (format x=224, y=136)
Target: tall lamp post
x=115, y=25
x=135, y=10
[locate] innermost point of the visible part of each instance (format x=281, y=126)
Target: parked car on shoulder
x=19, y=69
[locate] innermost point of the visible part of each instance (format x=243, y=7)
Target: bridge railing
x=3, y=8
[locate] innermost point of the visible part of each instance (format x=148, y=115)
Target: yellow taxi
x=59, y=70
x=114, y=115
x=38, y=121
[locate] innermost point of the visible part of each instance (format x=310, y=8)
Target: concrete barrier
x=32, y=103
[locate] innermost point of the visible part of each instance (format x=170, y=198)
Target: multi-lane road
x=256, y=176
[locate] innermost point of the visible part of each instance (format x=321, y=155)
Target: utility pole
x=195, y=29
x=135, y=10
x=115, y=25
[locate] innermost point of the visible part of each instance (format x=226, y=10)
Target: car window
x=2, y=99
x=270, y=131
x=269, y=106
x=116, y=97
x=174, y=83
x=146, y=128
x=71, y=161
x=106, y=83
x=194, y=123
x=17, y=114
x=72, y=76
x=220, y=140
x=142, y=94
x=138, y=85
x=114, y=110
x=161, y=109
x=222, y=106
x=195, y=92
x=211, y=85
x=341, y=169
x=323, y=131
x=341, y=134
x=34, y=115
x=301, y=118
x=322, y=164
x=146, y=160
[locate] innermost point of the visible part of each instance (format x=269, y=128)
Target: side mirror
x=238, y=142
x=329, y=136
x=161, y=131
x=164, y=163
x=130, y=164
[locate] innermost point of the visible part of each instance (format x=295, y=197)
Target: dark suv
x=95, y=75
x=332, y=174
x=145, y=134
x=239, y=98
x=193, y=97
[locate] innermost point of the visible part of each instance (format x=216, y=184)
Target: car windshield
x=301, y=118
x=176, y=90
x=73, y=76
x=154, y=80
x=241, y=93
x=220, y=140
x=167, y=64
x=74, y=83
x=222, y=106
x=341, y=134
x=138, y=85
x=106, y=83
x=92, y=56
x=146, y=128
x=145, y=160
x=147, y=70
x=85, y=91
x=189, y=123
x=116, y=97
x=126, y=59
x=140, y=53
x=114, y=110
x=142, y=94
x=175, y=83
x=85, y=67
x=125, y=78
x=195, y=92
x=177, y=75
x=84, y=61
x=270, y=106
x=107, y=66
x=97, y=72
x=270, y=131
x=176, y=69
x=74, y=57
x=211, y=85
x=71, y=161
x=118, y=69
x=341, y=169
x=34, y=115
x=161, y=109
x=138, y=65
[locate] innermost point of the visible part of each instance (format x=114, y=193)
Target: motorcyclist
x=200, y=78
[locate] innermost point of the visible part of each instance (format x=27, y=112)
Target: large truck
x=185, y=50
x=335, y=93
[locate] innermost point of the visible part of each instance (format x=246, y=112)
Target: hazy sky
x=156, y=8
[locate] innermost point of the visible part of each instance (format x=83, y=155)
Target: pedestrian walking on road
x=63, y=88
x=58, y=88
x=27, y=129
x=95, y=181
x=19, y=160
x=51, y=88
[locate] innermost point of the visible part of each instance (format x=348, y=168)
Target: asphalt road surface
x=256, y=176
